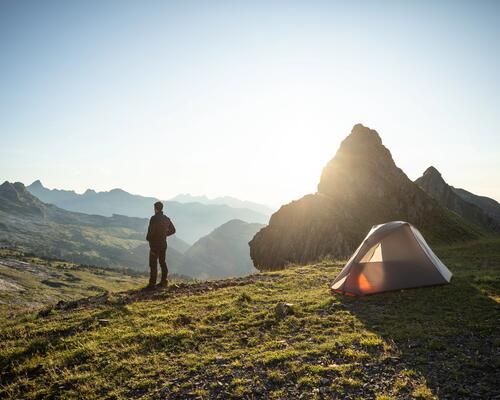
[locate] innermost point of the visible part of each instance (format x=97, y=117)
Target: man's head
x=158, y=206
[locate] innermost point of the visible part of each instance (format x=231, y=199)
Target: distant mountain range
x=193, y=220
x=117, y=241
x=360, y=187
x=47, y=230
x=224, y=200
x=482, y=211
x=224, y=252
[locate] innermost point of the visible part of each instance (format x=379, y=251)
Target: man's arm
x=149, y=236
x=171, y=228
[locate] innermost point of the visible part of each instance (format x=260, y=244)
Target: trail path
x=177, y=289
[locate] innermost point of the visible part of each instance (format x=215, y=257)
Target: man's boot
x=163, y=284
x=153, y=270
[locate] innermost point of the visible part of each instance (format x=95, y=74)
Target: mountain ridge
x=192, y=220
x=489, y=205
x=433, y=183
x=223, y=200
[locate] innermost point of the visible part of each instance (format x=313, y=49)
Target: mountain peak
x=433, y=177
x=16, y=199
x=432, y=171
x=435, y=186
x=7, y=190
x=12, y=187
x=361, y=133
x=361, y=161
x=118, y=191
x=36, y=184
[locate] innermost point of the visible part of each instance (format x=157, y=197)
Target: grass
x=436, y=342
x=43, y=281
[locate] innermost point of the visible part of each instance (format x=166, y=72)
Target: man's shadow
x=449, y=334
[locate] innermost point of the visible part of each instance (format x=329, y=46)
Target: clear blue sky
x=244, y=98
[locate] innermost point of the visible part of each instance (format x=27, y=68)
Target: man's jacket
x=160, y=226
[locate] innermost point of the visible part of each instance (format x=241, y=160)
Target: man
x=160, y=226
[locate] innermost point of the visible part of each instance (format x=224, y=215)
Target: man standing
x=160, y=226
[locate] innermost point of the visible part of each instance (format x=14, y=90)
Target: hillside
x=360, y=187
x=29, y=283
x=222, y=253
x=435, y=186
x=488, y=205
x=192, y=220
x=46, y=230
x=223, y=339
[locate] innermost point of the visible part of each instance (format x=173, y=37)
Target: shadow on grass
x=450, y=334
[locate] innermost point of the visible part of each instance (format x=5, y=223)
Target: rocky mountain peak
x=432, y=171
x=361, y=163
x=433, y=183
x=8, y=191
x=363, y=134
x=15, y=198
x=360, y=186
x=13, y=190
x=6, y=185
x=37, y=184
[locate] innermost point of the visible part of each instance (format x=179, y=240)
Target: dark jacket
x=160, y=226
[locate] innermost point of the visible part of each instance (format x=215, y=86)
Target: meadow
x=224, y=339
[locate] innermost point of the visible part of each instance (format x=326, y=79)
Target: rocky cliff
x=434, y=185
x=360, y=187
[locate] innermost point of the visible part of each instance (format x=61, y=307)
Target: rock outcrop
x=360, y=187
x=435, y=186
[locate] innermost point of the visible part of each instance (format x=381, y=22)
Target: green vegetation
x=204, y=340
x=28, y=282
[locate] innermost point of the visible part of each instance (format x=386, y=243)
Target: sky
x=244, y=98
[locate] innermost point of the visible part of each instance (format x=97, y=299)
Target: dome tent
x=392, y=256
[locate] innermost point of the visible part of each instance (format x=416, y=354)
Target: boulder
x=282, y=310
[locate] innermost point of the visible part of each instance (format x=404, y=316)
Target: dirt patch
x=7, y=286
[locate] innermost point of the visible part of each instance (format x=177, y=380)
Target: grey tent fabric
x=392, y=256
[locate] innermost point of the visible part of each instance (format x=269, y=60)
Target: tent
x=392, y=256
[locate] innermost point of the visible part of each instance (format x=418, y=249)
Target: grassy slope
x=50, y=281
x=423, y=343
